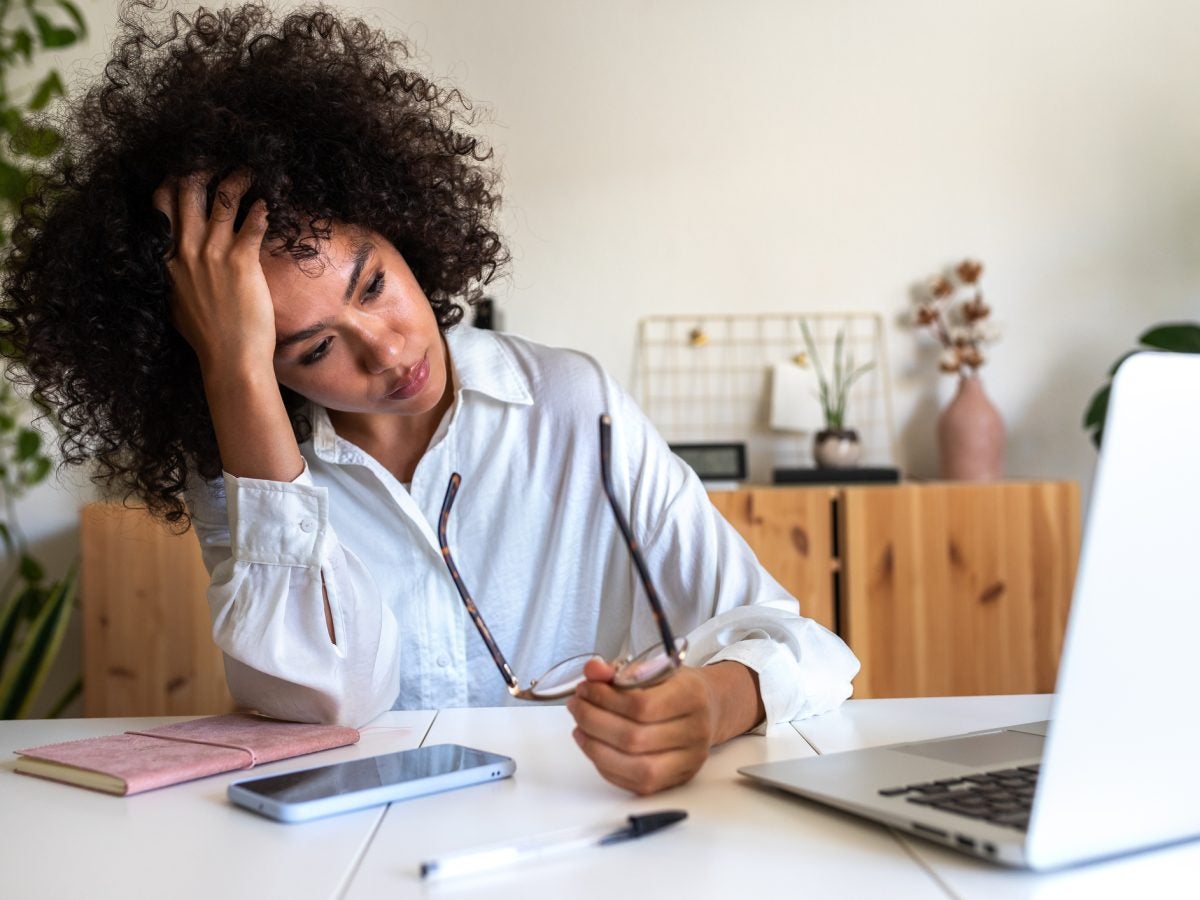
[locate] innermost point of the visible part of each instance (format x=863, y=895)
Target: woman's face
x=357, y=336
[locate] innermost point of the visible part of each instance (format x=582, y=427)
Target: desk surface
x=187, y=841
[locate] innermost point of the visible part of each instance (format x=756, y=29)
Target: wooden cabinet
x=147, y=637
x=791, y=531
x=951, y=589
x=941, y=589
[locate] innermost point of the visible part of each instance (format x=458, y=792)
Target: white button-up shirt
x=533, y=538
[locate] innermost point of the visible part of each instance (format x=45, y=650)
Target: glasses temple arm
x=472, y=610
x=639, y=561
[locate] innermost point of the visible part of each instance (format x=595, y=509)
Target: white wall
x=679, y=156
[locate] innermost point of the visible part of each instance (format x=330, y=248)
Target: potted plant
x=34, y=609
x=835, y=446
x=1174, y=337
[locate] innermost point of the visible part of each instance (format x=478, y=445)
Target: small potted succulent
x=835, y=446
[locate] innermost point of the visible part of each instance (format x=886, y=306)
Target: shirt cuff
x=281, y=523
x=775, y=668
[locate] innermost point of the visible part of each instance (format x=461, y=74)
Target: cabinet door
x=958, y=589
x=147, y=638
x=790, y=530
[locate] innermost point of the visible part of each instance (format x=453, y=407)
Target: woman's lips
x=418, y=375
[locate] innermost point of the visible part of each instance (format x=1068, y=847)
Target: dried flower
x=958, y=317
x=975, y=309
x=970, y=356
x=969, y=270
x=949, y=361
x=940, y=286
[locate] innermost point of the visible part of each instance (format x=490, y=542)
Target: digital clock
x=714, y=462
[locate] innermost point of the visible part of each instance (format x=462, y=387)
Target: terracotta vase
x=836, y=448
x=970, y=435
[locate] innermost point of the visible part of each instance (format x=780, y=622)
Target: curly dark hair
x=333, y=129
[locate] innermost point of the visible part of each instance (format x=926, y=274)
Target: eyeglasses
x=560, y=680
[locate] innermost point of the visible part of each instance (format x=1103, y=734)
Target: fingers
x=166, y=201
x=641, y=774
x=254, y=228
x=678, y=695
x=646, y=739
x=229, y=194
x=599, y=670
x=633, y=737
x=184, y=202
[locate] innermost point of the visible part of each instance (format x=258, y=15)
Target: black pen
x=485, y=859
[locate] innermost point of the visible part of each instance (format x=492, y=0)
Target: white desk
x=186, y=841
x=739, y=840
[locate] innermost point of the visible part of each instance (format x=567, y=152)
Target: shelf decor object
x=970, y=431
x=720, y=379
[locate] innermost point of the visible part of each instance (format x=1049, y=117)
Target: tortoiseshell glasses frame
x=560, y=680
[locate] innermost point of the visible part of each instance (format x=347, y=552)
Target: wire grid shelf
x=707, y=379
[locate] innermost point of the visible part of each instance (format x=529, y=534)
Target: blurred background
x=679, y=157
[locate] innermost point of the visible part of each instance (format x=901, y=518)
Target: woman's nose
x=383, y=347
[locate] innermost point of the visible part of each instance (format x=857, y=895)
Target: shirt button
x=443, y=661
x=308, y=526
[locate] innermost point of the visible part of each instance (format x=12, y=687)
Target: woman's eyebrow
x=362, y=253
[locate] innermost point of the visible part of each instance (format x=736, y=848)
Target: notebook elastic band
x=183, y=740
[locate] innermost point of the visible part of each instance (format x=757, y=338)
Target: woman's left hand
x=650, y=739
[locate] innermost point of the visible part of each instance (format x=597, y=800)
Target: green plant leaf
x=6, y=537
x=28, y=444
x=23, y=43
x=50, y=88
x=7, y=422
x=53, y=36
x=37, y=472
x=9, y=620
x=12, y=183
x=73, y=12
x=20, y=685
x=36, y=142
x=1093, y=419
x=11, y=119
x=31, y=569
x=1177, y=337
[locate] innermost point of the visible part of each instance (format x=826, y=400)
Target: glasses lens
x=649, y=666
x=561, y=679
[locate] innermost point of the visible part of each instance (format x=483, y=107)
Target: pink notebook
x=139, y=761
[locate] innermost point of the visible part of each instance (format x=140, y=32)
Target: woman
x=241, y=287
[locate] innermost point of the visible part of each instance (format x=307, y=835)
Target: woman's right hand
x=220, y=302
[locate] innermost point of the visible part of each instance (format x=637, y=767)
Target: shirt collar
x=481, y=363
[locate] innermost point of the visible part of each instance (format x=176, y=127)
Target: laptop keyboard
x=1003, y=797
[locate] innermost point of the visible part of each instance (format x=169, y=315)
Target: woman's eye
x=316, y=353
x=375, y=288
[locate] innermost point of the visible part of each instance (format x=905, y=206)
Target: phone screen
x=373, y=772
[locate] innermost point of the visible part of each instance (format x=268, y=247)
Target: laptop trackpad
x=981, y=749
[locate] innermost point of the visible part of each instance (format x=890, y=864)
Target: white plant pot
x=837, y=448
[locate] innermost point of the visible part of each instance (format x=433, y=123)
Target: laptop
x=1117, y=768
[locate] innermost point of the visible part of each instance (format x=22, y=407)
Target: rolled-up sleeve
x=273, y=561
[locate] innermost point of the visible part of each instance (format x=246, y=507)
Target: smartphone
x=359, y=783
